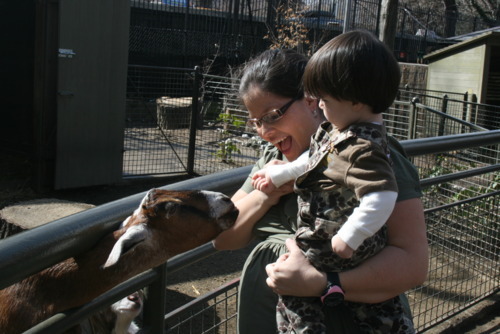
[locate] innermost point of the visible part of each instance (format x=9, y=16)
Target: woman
x=271, y=89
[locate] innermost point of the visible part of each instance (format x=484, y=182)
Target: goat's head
x=171, y=222
x=130, y=306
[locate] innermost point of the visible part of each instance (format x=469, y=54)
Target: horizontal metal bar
x=202, y=299
x=450, y=143
x=455, y=119
x=458, y=175
x=61, y=322
x=29, y=252
x=26, y=253
x=462, y=202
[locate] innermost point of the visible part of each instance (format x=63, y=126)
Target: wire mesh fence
x=161, y=136
x=158, y=116
x=464, y=241
x=463, y=233
x=213, y=313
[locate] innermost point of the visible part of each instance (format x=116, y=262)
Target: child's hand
x=261, y=181
x=341, y=248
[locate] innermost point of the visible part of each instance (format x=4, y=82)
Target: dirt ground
x=211, y=273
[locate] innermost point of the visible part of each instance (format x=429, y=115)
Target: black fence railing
x=462, y=208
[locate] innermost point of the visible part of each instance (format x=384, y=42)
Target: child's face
x=340, y=113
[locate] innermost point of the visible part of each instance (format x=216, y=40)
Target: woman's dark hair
x=275, y=71
x=356, y=67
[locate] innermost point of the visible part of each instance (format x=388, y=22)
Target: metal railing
x=31, y=251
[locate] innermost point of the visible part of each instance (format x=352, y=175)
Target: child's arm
x=274, y=176
x=373, y=211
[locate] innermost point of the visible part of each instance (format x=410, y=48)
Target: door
x=92, y=72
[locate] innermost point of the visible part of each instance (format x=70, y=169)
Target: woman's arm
x=398, y=267
x=252, y=206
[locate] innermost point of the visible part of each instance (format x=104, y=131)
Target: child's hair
x=355, y=67
x=275, y=71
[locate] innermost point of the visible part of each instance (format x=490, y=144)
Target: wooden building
x=472, y=65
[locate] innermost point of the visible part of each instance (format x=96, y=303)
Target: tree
x=388, y=22
x=289, y=31
x=451, y=16
x=488, y=10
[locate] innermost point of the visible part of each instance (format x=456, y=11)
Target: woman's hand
x=292, y=274
x=401, y=265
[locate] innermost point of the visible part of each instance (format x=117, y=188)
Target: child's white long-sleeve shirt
x=281, y=174
x=372, y=213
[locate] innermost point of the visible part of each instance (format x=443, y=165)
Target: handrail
x=31, y=251
x=446, y=116
x=431, y=145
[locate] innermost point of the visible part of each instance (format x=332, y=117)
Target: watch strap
x=333, y=291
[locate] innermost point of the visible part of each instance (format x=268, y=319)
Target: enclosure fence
x=460, y=175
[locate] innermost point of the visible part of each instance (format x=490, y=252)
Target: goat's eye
x=170, y=208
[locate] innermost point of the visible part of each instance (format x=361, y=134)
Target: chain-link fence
x=158, y=116
x=177, y=123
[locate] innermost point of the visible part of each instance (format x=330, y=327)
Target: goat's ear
x=132, y=237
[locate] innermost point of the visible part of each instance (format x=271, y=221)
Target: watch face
x=333, y=299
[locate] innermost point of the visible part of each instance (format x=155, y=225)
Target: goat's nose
x=219, y=203
x=133, y=297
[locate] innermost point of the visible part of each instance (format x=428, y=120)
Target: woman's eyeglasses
x=270, y=117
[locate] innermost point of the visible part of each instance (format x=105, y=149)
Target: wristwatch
x=333, y=294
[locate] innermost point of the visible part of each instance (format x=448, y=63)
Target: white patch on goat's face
x=219, y=203
x=126, y=309
x=130, y=306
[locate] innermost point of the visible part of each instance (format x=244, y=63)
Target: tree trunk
x=388, y=22
x=451, y=16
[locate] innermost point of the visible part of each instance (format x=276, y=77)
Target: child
x=346, y=187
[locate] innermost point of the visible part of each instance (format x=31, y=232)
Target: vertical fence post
x=412, y=122
x=154, y=308
x=444, y=109
x=194, y=120
x=464, y=110
x=377, y=25
x=347, y=16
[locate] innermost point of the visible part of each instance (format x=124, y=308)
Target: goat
x=116, y=319
x=125, y=311
x=165, y=224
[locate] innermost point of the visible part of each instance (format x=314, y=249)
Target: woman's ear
x=311, y=103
